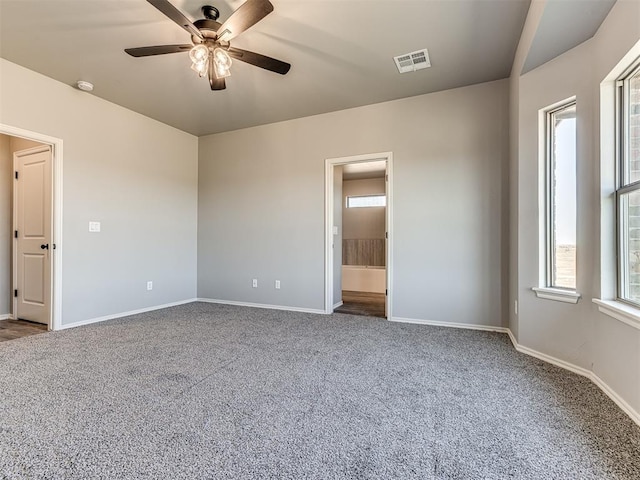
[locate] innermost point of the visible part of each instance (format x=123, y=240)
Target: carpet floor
x=204, y=391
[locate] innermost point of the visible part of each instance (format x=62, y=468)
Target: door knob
x=45, y=246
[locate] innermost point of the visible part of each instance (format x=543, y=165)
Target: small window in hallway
x=362, y=201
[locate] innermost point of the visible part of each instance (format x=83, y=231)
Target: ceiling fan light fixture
x=199, y=53
x=200, y=68
x=199, y=56
x=209, y=52
x=222, y=63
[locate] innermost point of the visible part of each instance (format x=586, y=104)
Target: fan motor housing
x=208, y=29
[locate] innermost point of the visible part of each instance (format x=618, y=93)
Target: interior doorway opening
x=30, y=228
x=358, y=267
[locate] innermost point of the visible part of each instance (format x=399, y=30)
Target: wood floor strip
x=362, y=303
x=13, y=329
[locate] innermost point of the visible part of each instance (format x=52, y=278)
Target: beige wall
x=534, y=16
x=578, y=334
x=137, y=176
x=361, y=223
x=261, y=204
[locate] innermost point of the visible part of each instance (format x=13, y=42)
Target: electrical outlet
x=94, y=227
x=277, y=284
x=149, y=285
x=254, y=283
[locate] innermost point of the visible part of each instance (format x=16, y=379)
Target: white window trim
x=557, y=294
x=623, y=186
x=543, y=290
x=608, y=304
x=620, y=311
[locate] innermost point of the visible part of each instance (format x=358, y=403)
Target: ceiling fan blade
x=176, y=15
x=247, y=15
x=261, y=61
x=157, y=50
x=216, y=83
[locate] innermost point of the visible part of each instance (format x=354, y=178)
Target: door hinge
x=386, y=178
x=386, y=291
x=386, y=235
x=15, y=234
x=15, y=293
x=16, y=175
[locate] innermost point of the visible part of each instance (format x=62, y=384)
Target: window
x=361, y=201
x=628, y=191
x=560, y=198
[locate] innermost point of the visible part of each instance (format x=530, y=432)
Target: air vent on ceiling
x=410, y=62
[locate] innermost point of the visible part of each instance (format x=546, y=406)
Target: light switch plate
x=94, y=227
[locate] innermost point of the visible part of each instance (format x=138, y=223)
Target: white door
x=32, y=209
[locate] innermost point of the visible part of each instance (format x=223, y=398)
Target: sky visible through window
x=564, y=198
x=566, y=182
x=363, y=201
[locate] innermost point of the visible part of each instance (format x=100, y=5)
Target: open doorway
x=30, y=221
x=358, y=268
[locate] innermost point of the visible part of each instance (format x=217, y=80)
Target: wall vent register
x=410, y=62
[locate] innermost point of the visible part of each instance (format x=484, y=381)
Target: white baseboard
x=617, y=399
x=626, y=408
x=434, y=323
x=124, y=314
x=609, y=392
x=548, y=358
x=261, y=305
x=6, y=316
x=338, y=305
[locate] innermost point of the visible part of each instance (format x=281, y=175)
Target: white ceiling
x=568, y=23
x=363, y=170
x=340, y=50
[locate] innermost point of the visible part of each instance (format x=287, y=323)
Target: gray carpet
x=211, y=391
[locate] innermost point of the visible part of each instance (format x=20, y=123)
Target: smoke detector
x=410, y=62
x=85, y=86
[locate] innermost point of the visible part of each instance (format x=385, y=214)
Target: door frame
x=330, y=164
x=56, y=144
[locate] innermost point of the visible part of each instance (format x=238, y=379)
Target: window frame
x=549, y=216
x=623, y=186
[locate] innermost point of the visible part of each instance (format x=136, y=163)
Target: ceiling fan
x=210, y=50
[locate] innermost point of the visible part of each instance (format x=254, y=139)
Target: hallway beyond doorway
x=362, y=303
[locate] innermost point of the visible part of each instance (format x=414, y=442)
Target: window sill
x=557, y=294
x=620, y=311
